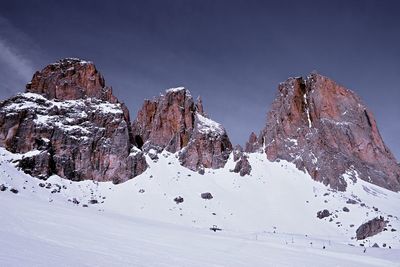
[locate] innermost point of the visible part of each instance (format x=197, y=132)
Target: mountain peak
x=326, y=130
x=70, y=79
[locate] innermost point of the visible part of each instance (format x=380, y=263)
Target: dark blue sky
x=232, y=53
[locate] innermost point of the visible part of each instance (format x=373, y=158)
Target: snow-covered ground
x=268, y=218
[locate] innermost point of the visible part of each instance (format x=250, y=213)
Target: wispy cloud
x=16, y=55
x=10, y=58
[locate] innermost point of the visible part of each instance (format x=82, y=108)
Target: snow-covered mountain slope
x=268, y=218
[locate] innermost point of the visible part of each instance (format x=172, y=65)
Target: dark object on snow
x=178, y=199
x=201, y=171
x=215, y=228
x=93, y=201
x=351, y=201
x=346, y=209
x=375, y=245
x=371, y=228
x=84, y=205
x=75, y=201
x=3, y=187
x=206, y=195
x=141, y=191
x=323, y=214
x=13, y=190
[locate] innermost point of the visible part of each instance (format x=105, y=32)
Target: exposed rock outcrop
x=69, y=123
x=371, y=228
x=174, y=122
x=70, y=79
x=323, y=214
x=326, y=130
x=208, y=147
x=252, y=145
x=243, y=166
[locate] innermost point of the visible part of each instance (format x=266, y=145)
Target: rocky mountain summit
x=176, y=123
x=327, y=131
x=68, y=123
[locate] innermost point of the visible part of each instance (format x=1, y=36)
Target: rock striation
x=68, y=123
x=327, y=131
x=176, y=123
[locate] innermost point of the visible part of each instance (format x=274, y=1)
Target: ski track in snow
x=267, y=219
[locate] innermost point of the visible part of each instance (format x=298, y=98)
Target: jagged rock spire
x=174, y=122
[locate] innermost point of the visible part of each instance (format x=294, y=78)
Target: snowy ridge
x=177, y=89
x=71, y=60
x=73, y=121
x=208, y=126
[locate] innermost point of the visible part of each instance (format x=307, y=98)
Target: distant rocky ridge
x=327, y=131
x=69, y=123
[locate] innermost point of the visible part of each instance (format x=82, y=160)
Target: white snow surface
x=267, y=219
x=176, y=89
x=207, y=126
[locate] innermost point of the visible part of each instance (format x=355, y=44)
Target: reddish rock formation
x=166, y=122
x=252, y=145
x=174, y=122
x=325, y=129
x=70, y=79
x=78, y=131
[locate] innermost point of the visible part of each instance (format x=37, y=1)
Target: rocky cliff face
x=69, y=123
x=326, y=130
x=174, y=122
x=70, y=79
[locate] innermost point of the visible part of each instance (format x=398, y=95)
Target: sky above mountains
x=232, y=53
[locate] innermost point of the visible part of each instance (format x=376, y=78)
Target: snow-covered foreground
x=268, y=218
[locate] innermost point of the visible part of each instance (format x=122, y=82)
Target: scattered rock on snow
x=206, y=195
x=3, y=187
x=351, y=201
x=323, y=214
x=13, y=190
x=371, y=228
x=178, y=199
